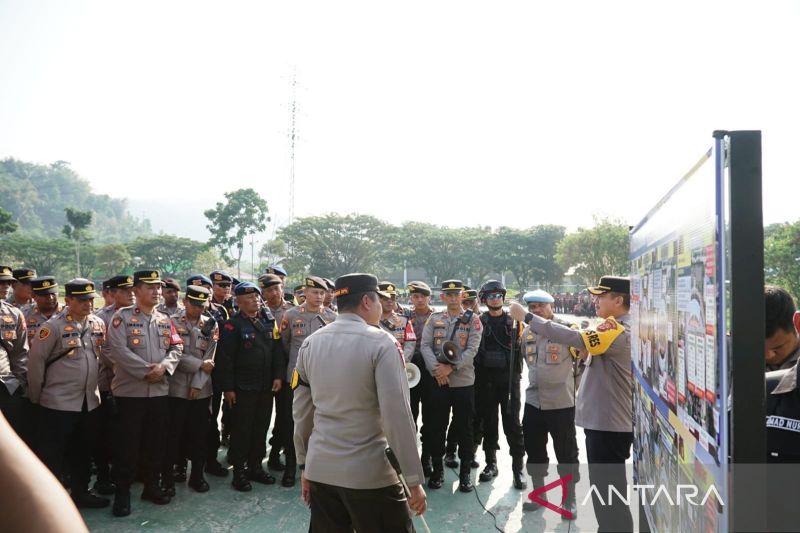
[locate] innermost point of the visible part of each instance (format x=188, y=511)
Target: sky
x=454, y=113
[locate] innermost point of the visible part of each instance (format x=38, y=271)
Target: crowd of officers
x=135, y=388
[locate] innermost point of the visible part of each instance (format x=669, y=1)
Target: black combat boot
x=122, y=502
x=86, y=500
x=274, y=461
x=240, y=482
x=437, y=476
x=519, y=476
x=427, y=465
x=214, y=468
x=464, y=481
x=256, y=473
x=490, y=472
x=103, y=485
x=289, y=476
x=168, y=483
x=474, y=463
x=153, y=493
x=197, y=481
x=180, y=471
x=450, y=460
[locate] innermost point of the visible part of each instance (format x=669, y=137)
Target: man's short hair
x=779, y=309
x=350, y=302
x=626, y=298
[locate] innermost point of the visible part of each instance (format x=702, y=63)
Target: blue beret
x=275, y=269
x=198, y=279
x=538, y=296
x=245, y=287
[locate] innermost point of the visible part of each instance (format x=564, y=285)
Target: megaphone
x=413, y=374
x=449, y=354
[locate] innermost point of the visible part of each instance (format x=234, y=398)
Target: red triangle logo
x=534, y=496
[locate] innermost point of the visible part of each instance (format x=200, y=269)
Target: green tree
x=529, y=254
x=48, y=256
x=243, y=214
x=112, y=259
x=208, y=261
x=273, y=252
x=332, y=245
x=594, y=252
x=6, y=225
x=172, y=256
x=438, y=250
x=782, y=256
x=76, y=230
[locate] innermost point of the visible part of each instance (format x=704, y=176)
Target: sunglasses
x=494, y=295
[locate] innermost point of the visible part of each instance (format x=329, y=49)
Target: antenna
x=292, y=138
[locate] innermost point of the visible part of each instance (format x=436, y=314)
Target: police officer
x=459, y=332
x=23, y=295
x=420, y=296
x=550, y=399
x=145, y=349
x=121, y=290
x=498, y=370
x=279, y=271
x=220, y=314
x=783, y=447
x=399, y=327
x=272, y=293
x=299, y=294
x=221, y=293
x=782, y=344
x=45, y=304
x=250, y=366
x=13, y=358
x=351, y=391
x=108, y=297
x=62, y=378
x=297, y=324
x=469, y=301
x=190, y=390
x=605, y=403
x=170, y=292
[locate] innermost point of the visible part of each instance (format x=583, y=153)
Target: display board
x=678, y=350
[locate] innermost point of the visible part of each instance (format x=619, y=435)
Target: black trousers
x=420, y=399
x=64, y=443
x=453, y=431
x=283, y=402
x=141, y=429
x=213, y=437
x=560, y=425
x=287, y=423
x=188, y=426
x=20, y=413
x=102, y=442
x=338, y=509
x=491, y=393
x=251, y=414
x=461, y=401
x=606, y=452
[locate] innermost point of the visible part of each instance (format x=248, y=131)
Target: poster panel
x=678, y=351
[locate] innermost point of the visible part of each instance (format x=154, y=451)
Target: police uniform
x=23, y=276
x=188, y=417
x=498, y=370
x=105, y=416
x=137, y=341
x=13, y=361
x=351, y=402
x=783, y=447
x=420, y=394
x=399, y=327
x=170, y=283
x=550, y=403
x=605, y=401
x=34, y=318
x=220, y=315
x=282, y=425
x=297, y=324
x=62, y=379
x=249, y=360
x=465, y=331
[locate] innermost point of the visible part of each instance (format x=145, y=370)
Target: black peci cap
x=612, y=284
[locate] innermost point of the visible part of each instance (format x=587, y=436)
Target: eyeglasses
x=223, y=285
x=494, y=295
